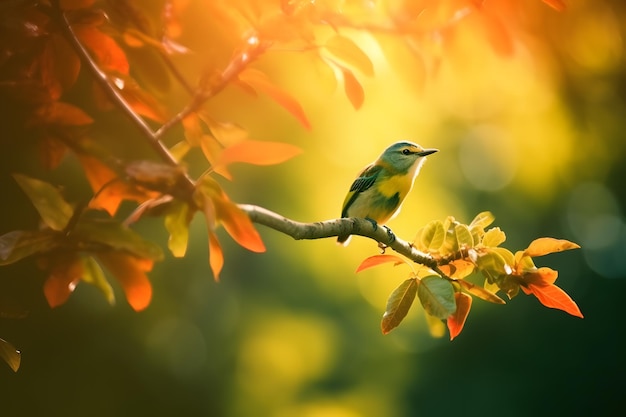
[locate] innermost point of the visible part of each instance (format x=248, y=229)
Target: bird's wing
x=365, y=180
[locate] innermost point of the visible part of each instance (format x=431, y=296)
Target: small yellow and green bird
x=377, y=193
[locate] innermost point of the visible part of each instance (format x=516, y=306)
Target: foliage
x=460, y=250
x=51, y=47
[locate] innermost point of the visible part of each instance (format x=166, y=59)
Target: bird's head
x=401, y=156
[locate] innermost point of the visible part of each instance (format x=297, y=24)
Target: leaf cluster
x=461, y=252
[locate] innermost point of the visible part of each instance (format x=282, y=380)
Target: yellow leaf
x=546, y=245
x=350, y=53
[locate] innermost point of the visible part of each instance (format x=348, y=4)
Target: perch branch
x=337, y=227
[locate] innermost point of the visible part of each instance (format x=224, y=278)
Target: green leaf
x=437, y=296
x=492, y=265
x=19, y=244
x=177, y=224
x=93, y=274
x=507, y=255
x=48, y=201
x=117, y=236
x=433, y=235
x=398, y=304
x=493, y=237
x=482, y=220
x=11, y=355
x=463, y=236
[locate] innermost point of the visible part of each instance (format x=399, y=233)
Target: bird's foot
x=390, y=235
x=374, y=224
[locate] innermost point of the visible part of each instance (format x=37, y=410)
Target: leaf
x=216, y=255
x=18, y=244
x=492, y=265
x=482, y=220
x=523, y=263
x=436, y=328
x=109, y=56
x=558, y=5
x=546, y=245
x=541, y=276
x=493, y=237
x=463, y=236
x=259, y=81
x=48, y=201
x=255, y=153
x=117, y=236
x=554, y=297
x=235, y=221
x=61, y=114
x=349, y=52
x=353, y=88
x=433, y=235
x=456, y=321
x=480, y=292
x=398, y=304
x=93, y=274
x=65, y=273
x=437, y=296
x=458, y=269
x=10, y=355
x=376, y=260
x=177, y=224
x=130, y=271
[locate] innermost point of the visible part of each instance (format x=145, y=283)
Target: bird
x=377, y=193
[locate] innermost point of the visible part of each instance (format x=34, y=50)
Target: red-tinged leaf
x=256, y=153
x=235, y=221
x=480, y=292
x=554, y=297
x=350, y=53
x=61, y=114
x=10, y=355
x=216, y=255
x=109, y=56
x=108, y=188
x=353, y=88
x=541, y=276
x=398, y=305
x=66, y=62
x=376, y=260
x=546, y=245
x=259, y=81
x=558, y=5
x=65, y=273
x=131, y=274
x=456, y=321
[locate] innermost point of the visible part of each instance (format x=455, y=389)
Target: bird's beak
x=426, y=152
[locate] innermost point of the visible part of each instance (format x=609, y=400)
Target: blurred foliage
x=525, y=103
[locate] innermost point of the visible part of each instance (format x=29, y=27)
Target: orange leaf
x=458, y=269
x=546, y=245
x=456, y=321
x=255, y=153
x=375, y=260
x=353, y=89
x=108, y=54
x=349, y=52
x=218, y=207
x=558, y=5
x=259, y=81
x=65, y=273
x=542, y=276
x=216, y=255
x=61, y=114
x=130, y=271
x=108, y=188
x=554, y=297
x=497, y=33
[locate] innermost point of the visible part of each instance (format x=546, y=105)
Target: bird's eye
x=406, y=151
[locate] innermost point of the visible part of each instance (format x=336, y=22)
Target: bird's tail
x=344, y=240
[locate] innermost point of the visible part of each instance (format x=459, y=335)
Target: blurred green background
x=535, y=136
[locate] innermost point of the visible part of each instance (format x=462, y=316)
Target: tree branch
x=337, y=227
